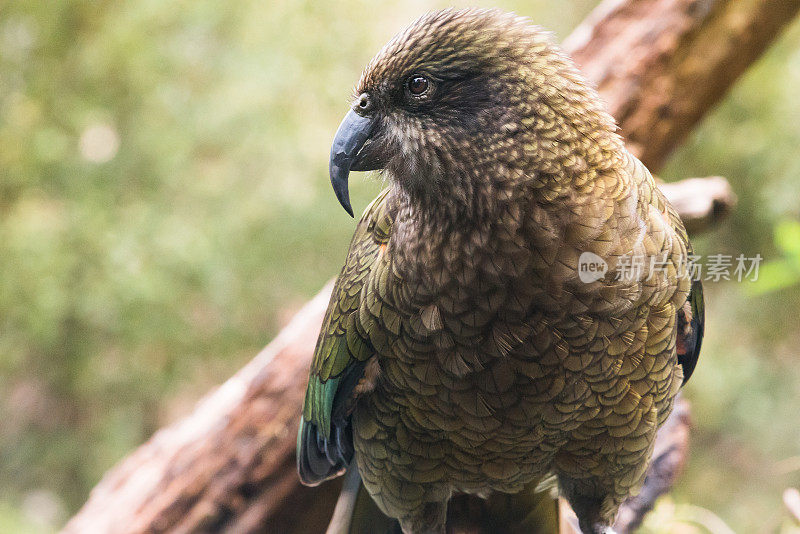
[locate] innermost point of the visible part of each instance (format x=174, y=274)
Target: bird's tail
x=535, y=510
x=356, y=512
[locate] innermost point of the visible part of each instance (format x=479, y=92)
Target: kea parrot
x=464, y=350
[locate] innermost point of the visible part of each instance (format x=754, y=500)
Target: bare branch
x=702, y=202
x=662, y=64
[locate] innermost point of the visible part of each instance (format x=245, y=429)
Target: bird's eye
x=418, y=85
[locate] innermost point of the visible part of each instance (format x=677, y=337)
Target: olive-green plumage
x=461, y=351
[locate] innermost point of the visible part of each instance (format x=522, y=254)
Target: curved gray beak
x=347, y=154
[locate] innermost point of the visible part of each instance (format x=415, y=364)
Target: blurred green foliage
x=164, y=208
x=783, y=272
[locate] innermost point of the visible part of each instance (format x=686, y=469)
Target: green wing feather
x=340, y=354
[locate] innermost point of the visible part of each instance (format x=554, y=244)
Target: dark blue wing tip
x=320, y=459
x=694, y=342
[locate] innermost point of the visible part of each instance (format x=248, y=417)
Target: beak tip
x=350, y=138
x=348, y=208
x=339, y=183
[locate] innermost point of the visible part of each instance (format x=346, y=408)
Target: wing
x=691, y=324
x=691, y=316
x=324, y=441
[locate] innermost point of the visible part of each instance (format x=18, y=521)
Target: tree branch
x=702, y=202
x=662, y=64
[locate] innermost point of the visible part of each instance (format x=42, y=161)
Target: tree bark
x=230, y=466
x=662, y=64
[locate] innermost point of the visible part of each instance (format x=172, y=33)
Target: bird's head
x=462, y=99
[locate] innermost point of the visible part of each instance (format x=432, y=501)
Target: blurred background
x=165, y=208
